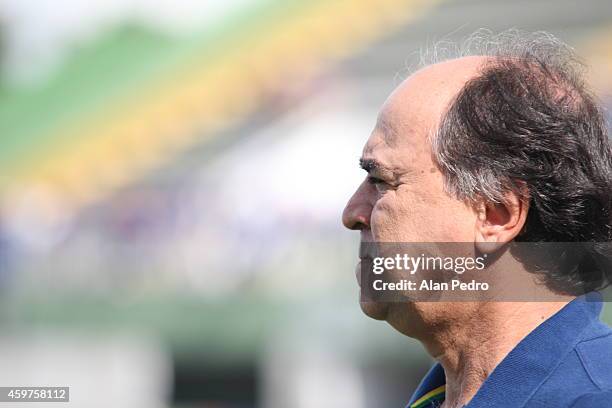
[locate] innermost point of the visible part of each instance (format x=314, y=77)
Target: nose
x=356, y=214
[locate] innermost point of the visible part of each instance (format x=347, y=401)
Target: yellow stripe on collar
x=434, y=394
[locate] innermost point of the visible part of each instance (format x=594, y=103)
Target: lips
x=367, y=250
x=364, y=251
x=362, y=258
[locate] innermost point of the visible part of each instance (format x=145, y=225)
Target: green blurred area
x=229, y=331
x=120, y=64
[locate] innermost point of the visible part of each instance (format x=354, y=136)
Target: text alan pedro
x=413, y=264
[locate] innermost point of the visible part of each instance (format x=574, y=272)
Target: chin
x=375, y=310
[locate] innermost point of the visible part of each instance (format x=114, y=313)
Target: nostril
x=355, y=222
x=360, y=223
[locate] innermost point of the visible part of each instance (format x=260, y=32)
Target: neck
x=488, y=332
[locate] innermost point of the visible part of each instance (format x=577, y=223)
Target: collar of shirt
x=518, y=376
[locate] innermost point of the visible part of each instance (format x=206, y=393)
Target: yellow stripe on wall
x=125, y=141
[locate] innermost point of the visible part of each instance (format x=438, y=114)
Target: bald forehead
x=413, y=111
x=419, y=101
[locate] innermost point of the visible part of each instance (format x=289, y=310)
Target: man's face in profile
x=402, y=198
x=462, y=152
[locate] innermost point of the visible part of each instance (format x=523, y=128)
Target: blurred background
x=172, y=174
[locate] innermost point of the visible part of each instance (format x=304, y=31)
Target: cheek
x=407, y=216
x=383, y=218
x=396, y=218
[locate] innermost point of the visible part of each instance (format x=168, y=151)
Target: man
x=503, y=146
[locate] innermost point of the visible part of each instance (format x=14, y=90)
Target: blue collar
x=518, y=376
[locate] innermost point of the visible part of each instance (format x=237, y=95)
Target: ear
x=498, y=224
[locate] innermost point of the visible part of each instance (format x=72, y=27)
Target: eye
x=380, y=184
x=375, y=181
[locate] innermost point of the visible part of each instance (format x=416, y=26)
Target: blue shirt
x=565, y=362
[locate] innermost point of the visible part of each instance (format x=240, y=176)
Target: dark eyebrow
x=369, y=164
x=373, y=166
x=376, y=169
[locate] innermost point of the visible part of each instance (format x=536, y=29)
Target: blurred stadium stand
x=175, y=172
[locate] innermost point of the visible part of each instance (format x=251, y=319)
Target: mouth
x=362, y=259
x=367, y=250
x=366, y=254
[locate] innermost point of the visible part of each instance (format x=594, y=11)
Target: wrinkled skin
x=404, y=200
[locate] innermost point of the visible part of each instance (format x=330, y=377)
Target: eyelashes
x=374, y=180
